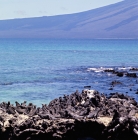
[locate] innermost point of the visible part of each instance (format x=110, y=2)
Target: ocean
x=39, y=70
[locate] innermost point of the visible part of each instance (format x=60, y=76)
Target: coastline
x=45, y=57
x=105, y=79
x=79, y=116
x=87, y=115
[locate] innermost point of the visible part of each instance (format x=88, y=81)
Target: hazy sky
x=10, y=9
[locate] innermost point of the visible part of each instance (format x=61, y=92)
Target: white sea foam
x=101, y=69
x=124, y=68
x=91, y=69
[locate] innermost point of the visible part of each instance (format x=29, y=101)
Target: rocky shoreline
x=88, y=115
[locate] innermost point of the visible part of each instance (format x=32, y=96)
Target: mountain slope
x=118, y=20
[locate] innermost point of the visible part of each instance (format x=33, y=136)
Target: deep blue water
x=39, y=70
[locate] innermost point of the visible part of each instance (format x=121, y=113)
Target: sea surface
x=39, y=70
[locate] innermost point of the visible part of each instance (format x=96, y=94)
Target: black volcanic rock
x=113, y=83
x=92, y=116
x=134, y=69
x=134, y=75
x=120, y=74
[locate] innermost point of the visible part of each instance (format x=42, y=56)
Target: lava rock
x=134, y=75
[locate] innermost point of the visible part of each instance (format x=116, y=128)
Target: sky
x=11, y=9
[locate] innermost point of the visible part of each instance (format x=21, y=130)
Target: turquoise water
x=39, y=70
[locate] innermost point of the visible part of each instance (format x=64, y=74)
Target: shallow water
x=39, y=70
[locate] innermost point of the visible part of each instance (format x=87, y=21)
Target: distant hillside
x=118, y=20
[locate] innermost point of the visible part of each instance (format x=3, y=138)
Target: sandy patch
x=105, y=120
x=136, y=115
